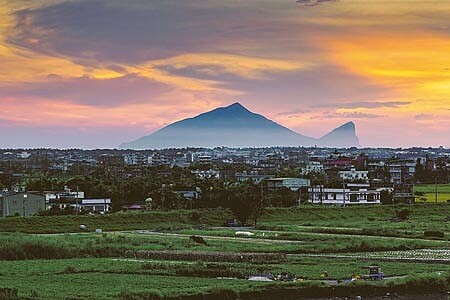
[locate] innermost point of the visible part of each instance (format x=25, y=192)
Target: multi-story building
x=64, y=198
x=312, y=167
x=354, y=175
x=401, y=170
x=135, y=159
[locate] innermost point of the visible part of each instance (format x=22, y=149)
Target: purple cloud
x=130, y=88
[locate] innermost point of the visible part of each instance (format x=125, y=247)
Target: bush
x=198, y=240
x=69, y=270
x=403, y=214
x=34, y=294
x=195, y=216
x=434, y=233
x=9, y=294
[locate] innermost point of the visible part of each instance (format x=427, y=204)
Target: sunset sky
x=96, y=73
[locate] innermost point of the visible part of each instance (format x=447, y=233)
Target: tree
x=386, y=197
x=419, y=175
x=244, y=200
x=283, y=197
x=403, y=214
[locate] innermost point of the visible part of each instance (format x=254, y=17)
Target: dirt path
x=219, y=238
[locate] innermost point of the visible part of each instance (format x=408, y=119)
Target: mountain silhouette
x=236, y=126
x=343, y=136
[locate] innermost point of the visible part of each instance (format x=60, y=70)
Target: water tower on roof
x=148, y=203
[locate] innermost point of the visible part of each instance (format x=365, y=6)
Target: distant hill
x=236, y=126
x=343, y=136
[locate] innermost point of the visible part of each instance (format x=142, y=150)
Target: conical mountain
x=232, y=126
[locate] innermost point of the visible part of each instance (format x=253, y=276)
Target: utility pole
x=24, y=202
x=436, y=189
x=260, y=206
x=163, y=196
x=343, y=191
x=76, y=202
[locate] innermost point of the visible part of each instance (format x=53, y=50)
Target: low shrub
x=69, y=270
x=9, y=294
x=403, y=214
x=434, y=233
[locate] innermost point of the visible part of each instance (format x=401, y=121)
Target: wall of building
x=24, y=204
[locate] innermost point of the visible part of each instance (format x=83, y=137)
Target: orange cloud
x=416, y=65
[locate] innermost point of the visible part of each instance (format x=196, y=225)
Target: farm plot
x=429, y=190
x=418, y=255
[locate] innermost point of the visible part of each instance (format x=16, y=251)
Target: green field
x=430, y=192
x=49, y=258
x=423, y=217
x=109, y=278
x=114, y=222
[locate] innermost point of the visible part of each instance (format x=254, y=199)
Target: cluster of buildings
x=19, y=202
x=348, y=176
x=401, y=162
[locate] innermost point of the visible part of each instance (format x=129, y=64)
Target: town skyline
x=93, y=74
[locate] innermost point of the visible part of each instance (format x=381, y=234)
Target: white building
x=354, y=175
x=312, y=167
x=158, y=160
x=24, y=155
x=96, y=205
x=135, y=159
x=206, y=174
x=357, y=194
x=62, y=198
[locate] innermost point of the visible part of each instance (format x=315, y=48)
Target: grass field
x=108, y=278
x=113, y=222
x=430, y=192
x=49, y=258
x=423, y=217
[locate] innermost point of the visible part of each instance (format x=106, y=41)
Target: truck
x=374, y=273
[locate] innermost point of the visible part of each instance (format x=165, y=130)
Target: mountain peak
x=347, y=126
x=236, y=106
x=342, y=136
